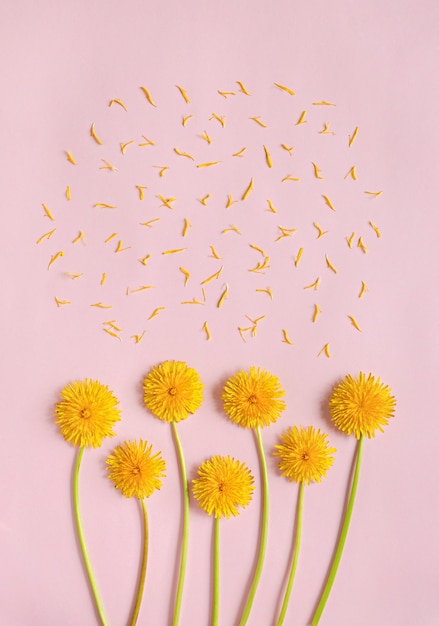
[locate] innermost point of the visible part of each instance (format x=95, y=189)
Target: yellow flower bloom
x=172, y=391
x=87, y=413
x=305, y=454
x=134, y=470
x=361, y=405
x=223, y=485
x=251, y=399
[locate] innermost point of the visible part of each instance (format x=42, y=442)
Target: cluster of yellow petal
x=252, y=399
x=134, y=470
x=223, y=485
x=87, y=413
x=361, y=405
x=172, y=391
x=304, y=455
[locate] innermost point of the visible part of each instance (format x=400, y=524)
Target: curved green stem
x=342, y=539
x=297, y=538
x=263, y=533
x=184, y=545
x=142, y=576
x=80, y=532
x=215, y=603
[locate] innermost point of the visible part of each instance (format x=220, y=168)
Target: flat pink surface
x=61, y=65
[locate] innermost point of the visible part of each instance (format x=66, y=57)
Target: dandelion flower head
x=172, y=391
x=87, y=413
x=252, y=398
x=134, y=470
x=223, y=485
x=361, y=405
x=304, y=454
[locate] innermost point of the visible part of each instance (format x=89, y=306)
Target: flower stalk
x=142, y=576
x=343, y=535
x=216, y=570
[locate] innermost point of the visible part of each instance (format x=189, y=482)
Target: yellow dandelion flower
x=223, y=485
x=252, y=399
x=172, y=391
x=304, y=455
x=134, y=470
x=87, y=413
x=361, y=405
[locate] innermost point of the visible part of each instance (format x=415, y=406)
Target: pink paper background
x=61, y=64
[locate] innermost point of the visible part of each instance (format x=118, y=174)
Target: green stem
x=263, y=533
x=184, y=545
x=142, y=577
x=80, y=532
x=295, y=559
x=215, y=604
x=343, y=534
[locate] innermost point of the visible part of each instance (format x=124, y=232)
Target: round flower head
x=304, y=455
x=361, y=405
x=87, y=413
x=222, y=486
x=172, y=391
x=134, y=470
x=251, y=399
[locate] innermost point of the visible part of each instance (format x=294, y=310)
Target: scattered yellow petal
x=214, y=254
x=147, y=142
x=186, y=225
x=207, y=331
x=174, y=251
x=267, y=291
x=317, y=310
x=298, y=257
x=240, y=153
x=183, y=154
x=110, y=332
x=112, y=325
x=373, y=194
x=286, y=89
x=149, y=223
x=362, y=245
x=46, y=235
x=319, y=230
x=156, y=312
x=186, y=275
x=268, y=157
x=104, y=205
x=142, y=288
x=74, y=276
x=47, y=212
x=54, y=257
x=354, y=322
x=223, y=296
x=208, y=164
x=325, y=130
x=350, y=239
x=104, y=278
x=324, y=103
x=316, y=171
x=162, y=169
x=376, y=229
x=185, y=119
x=119, y=102
x=271, y=207
x=313, y=285
x=288, y=149
x=352, y=173
x=124, y=146
x=183, y=93
x=193, y=301
x=301, y=119
x=61, y=302
x=216, y=275
x=119, y=247
x=330, y=265
x=148, y=96
x=110, y=237
x=79, y=237
x=70, y=158
x=248, y=190
x=325, y=350
x=242, y=89
x=285, y=232
x=257, y=249
x=286, y=339
x=289, y=177
x=138, y=338
x=328, y=202
x=206, y=137
x=230, y=201
x=258, y=121
x=99, y=305
x=363, y=289
x=145, y=259
x=220, y=119
x=353, y=136
x=94, y=135
x=225, y=94
x=166, y=201
x=141, y=189
x=231, y=228
x=108, y=166
x=68, y=193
